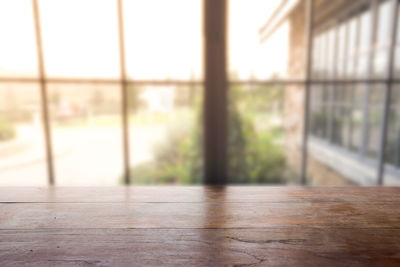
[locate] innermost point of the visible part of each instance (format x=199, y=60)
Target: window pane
x=341, y=118
x=356, y=116
x=262, y=146
x=80, y=38
x=364, y=47
x=163, y=39
x=325, y=55
x=86, y=131
x=397, y=49
x=252, y=57
x=374, y=120
x=17, y=46
x=165, y=127
x=22, y=157
x=319, y=108
x=393, y=138
x=331, y=57
x=383, y=40
x=342, y=51
x=352, y=45
x=318, y=58
x=383, y=27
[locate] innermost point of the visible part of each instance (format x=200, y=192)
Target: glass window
x=22, y=149
x=163, y=39
x=165, y=127
x=249, y=55
x=86, y=131
x=261, y=147
x=324, y=55
x=352, y=45
x=17, y=46
x=341, y=51
x=374, y=122
x=321, y=55
x=364, y=45
x=80, y=38
x=331, y=55
x=393, y=138
x=383, y=40
x=318, y=112
x=356, y=116
x=396, y=68
x=316, y=56
x=339, y=116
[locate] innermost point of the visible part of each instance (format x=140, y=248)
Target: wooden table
x=200, y=226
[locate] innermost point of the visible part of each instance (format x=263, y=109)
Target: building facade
x=354, y=111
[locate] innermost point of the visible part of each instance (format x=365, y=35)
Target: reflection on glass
x=163, y=39
x=80, y=38
x=258, y=151
x=86, y=131
x=165, y=126
x=22, y=157
x=17, y=42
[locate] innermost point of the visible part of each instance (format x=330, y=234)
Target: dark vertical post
x=43, y=94
x=388, y=89
x=124, y=94
x=307, y=89
x=215, y=95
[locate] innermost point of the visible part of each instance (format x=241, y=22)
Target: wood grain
x=201, y=247
x=197, y=215
x=200, y=194
x=200, y=226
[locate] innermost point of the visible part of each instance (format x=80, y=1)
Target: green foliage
x=255, y=156
x=7, y=130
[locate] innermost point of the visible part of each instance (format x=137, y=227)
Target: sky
x=163, y=39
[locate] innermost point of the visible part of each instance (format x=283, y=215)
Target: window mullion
x=43, y=94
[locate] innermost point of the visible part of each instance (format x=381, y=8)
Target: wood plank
x=199, y=215
x=201, y=247
x=199, y=194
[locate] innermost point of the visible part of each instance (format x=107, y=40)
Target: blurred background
x=97, y=89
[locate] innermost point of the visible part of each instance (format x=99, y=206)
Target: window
x=86, y=133
x=110, y=111
x=80, y=38
x=22, y=152
x=17, y=46
x=349, y=114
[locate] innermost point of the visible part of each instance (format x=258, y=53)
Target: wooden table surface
x=200, y=226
